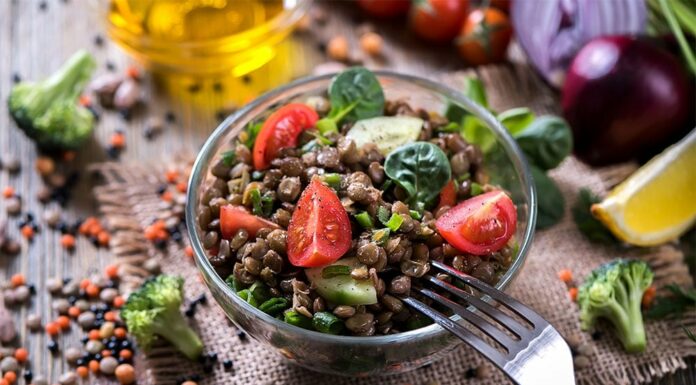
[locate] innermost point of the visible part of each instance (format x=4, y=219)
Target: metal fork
x=534, y=355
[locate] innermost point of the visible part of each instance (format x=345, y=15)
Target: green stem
x=679, y=35
x=175, y=330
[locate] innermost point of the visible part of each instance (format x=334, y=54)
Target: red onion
x=552, y=31
x=624, y=96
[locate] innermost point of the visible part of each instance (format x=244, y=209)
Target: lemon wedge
x=658, y=202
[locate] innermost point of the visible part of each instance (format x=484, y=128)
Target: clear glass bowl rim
x=280, y=22
x=199, y=171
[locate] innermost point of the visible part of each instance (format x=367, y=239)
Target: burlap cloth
x=129, y=201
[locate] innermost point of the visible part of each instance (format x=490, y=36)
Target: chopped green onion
x=449, y=127
x=380, y=236
x=262, y=206
x=335, y=270
x=251, y=132
x=326, y=125
x=296, y=319
x=228, y=158
x=463, y=177
x=248, y=297
x=414, y=214
x=274, y=306
x=383, y=215
x=333, y=180
x=364, y=220
x=394, y=222
x=259, y=291
x=476, y=189
x=326, y=322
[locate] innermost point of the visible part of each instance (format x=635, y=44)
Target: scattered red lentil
x=119, y=301
x=171, y=175
x=110, y=316
x=87, y=225
x=82, y=371
x=133, y=72
x=21, y=354
x=67, y=241
x=573, y=293
x=167, y=196
x=18, y=280
x=106, y=353
x=52, y=328
x=8, y=192
x=125, y=354
x=4, y=382
x=85, y=100
x=111, y=271
x=189, y=251
x=84, y=283
x=117, y=140
x=69, y=156
x=74, y=311
x=649, y=296
x=27, y=232
x=120, y=333
x=63, y=322
x=337, y=48
x=92, y=290
x=103, y=238
x=10, y=377
x=94, y=334
x=94, y=366
x=565, y=275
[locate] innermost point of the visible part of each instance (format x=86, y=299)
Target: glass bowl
x=348, y=355
x=237, y=53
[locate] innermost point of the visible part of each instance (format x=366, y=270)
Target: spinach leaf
x=421, y=169
x=551, y=203
x=354, y=94
x=475, y=131
x=474, y=90
x=546, y=142
x=593, y=229
x=516, y=119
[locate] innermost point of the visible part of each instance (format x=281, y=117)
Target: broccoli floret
x=48, y=111
x=614, y=292
x=154, y=310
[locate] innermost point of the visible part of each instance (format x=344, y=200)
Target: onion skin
x=623, y=96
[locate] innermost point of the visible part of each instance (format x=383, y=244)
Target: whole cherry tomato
x=485, y=36
x=319, y=232
x=385, y=8
x=438, y=20
x=281, y=130
x=479, y=225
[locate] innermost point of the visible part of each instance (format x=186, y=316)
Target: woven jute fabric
x=129, y=201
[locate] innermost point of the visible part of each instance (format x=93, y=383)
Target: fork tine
x=505, y=320
x=458, y=330
x=496, y=334
x=509, y=302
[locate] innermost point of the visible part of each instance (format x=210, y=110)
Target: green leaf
x=476, y=189
x=516, y=119
x=335, y=270
x=689, y=334
x=421, y=169
x=383, y=215
x=475, y=131
x=228, y=158
x=546, y=142
x=674, y=305
x=474, y=90
x=588, y=225
x=252, y=131
x=551, y=203
x=355, y=94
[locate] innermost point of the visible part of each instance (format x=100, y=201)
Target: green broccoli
x=48, y=111
x=154, y=310
x=614, y=291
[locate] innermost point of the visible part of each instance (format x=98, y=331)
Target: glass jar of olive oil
x=201, y=37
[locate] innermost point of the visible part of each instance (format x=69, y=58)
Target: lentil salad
x=325, y=213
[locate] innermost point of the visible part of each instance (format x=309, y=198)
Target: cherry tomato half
x=485, y=36
x=438, y=20
x=281, y=130
x=479, y=225
x=385, y=8
x=448, y=196
x=233, y=218
x=319, y=232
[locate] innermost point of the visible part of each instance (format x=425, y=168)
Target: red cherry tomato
x=438, y=20
x=479, y=225
x=484, y=37
x=281, y=130
x=448, y=196
x=385, y=8
x=233, y=218
x=319, y=232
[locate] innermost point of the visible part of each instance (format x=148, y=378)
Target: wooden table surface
x=37, y=36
